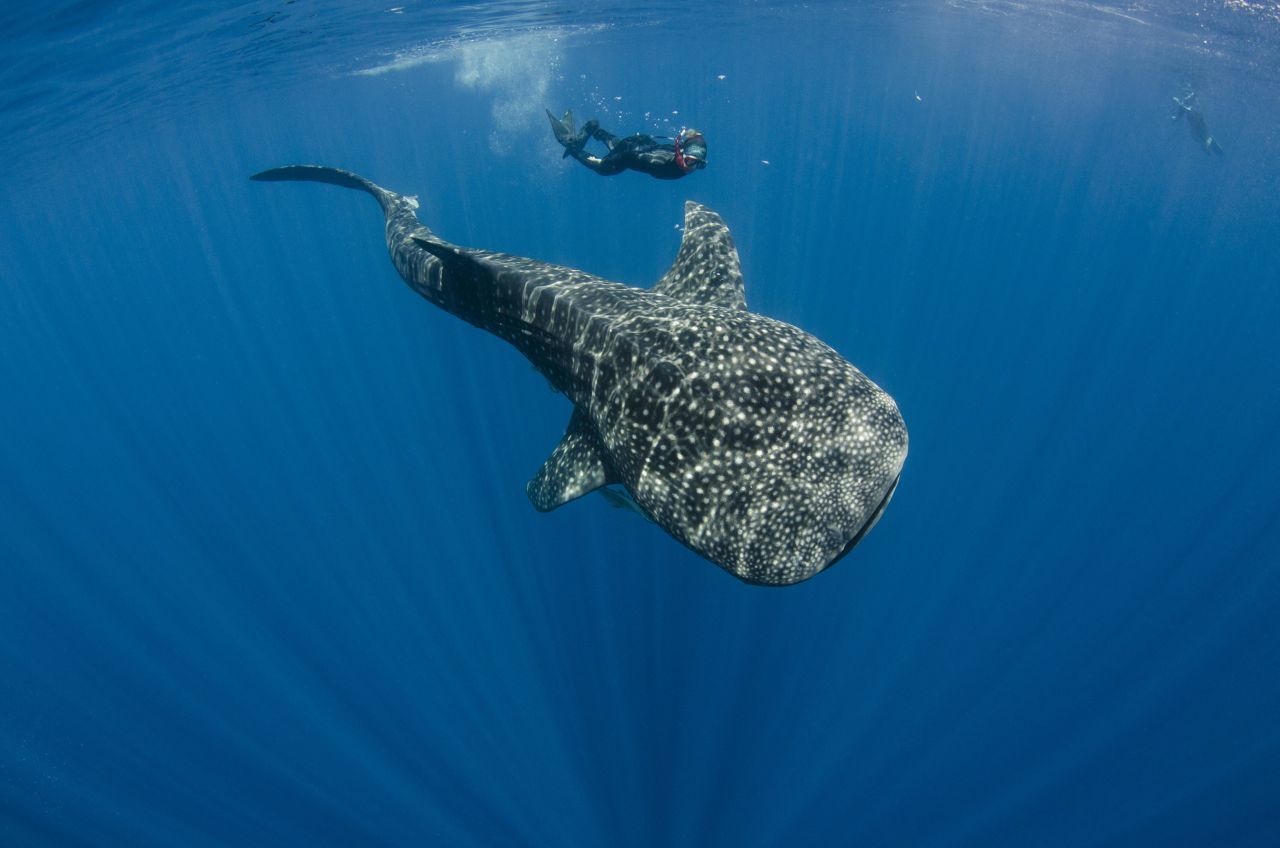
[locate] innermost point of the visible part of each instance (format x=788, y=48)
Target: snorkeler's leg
x=605, y=167
x=592, y=128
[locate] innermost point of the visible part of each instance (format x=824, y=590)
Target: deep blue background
x=267, y=570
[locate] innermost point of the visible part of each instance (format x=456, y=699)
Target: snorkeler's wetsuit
x=639, y=152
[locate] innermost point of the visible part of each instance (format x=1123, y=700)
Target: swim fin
x=564, y=129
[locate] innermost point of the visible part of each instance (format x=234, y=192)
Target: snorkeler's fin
x=564, y=129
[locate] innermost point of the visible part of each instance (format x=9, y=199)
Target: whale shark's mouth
x=871, y=522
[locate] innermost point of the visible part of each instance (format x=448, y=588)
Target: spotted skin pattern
x=747, y=439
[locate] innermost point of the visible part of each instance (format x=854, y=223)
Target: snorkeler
x=665, y=159
x=1195, y=122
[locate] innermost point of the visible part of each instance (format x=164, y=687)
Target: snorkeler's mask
x=691, y=150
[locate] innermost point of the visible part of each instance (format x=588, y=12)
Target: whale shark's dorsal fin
x=574, y=468
x=706, y=269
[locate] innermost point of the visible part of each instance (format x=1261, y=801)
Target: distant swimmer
x=1185, y=107
x=663, y=158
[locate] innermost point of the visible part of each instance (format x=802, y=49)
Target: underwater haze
x=268, y=572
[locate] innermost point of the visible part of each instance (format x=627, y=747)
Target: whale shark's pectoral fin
x=574, y=468
x=706, y=269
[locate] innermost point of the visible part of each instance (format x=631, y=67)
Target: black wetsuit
x=639, y=152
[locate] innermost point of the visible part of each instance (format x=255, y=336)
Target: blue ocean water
x=268, y=575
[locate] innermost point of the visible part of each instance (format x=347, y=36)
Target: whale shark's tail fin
x=333, y=176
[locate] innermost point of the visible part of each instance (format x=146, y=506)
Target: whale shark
x=745, y=438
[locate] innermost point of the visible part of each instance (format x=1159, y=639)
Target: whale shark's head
x=776, y=475
x=794, y=519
